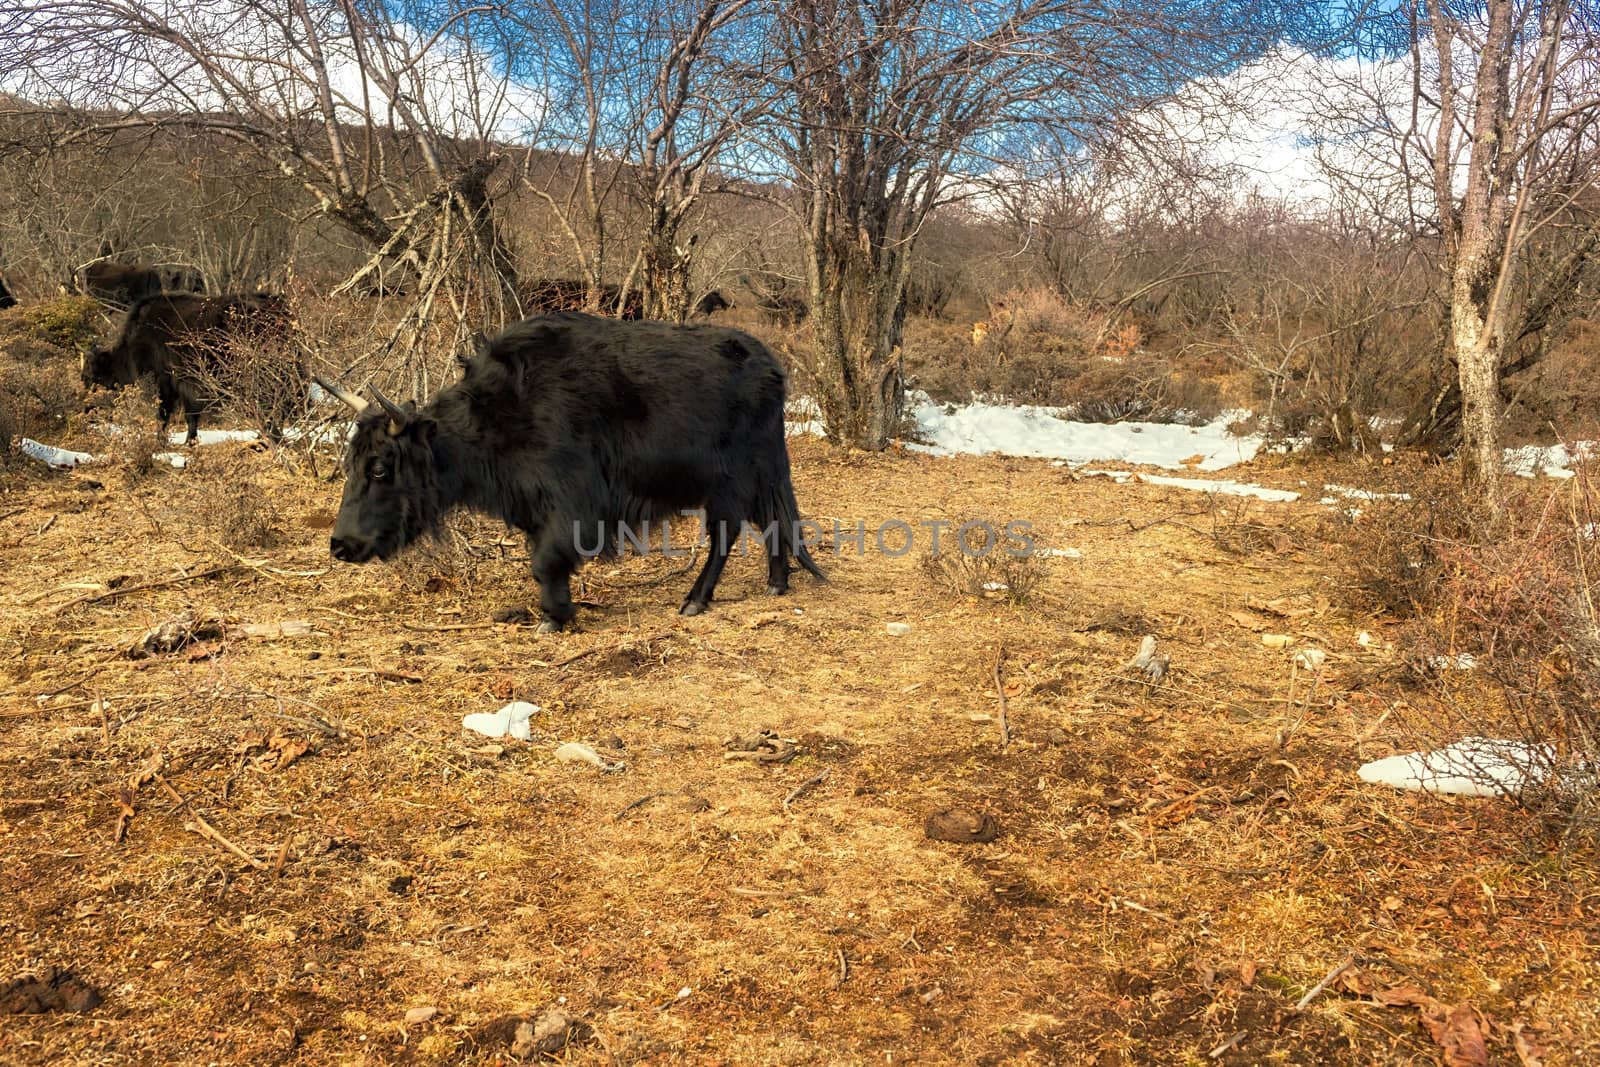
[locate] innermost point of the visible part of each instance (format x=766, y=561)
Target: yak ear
x=423, y=431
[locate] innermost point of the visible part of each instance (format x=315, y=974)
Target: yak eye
x=379, y=472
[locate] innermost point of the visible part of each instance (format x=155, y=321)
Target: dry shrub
x=1509, y=644
x=983, y=564
x=1395, y=542
x=258, y=375
x=68, y=324
x=1038, y=348
x=247, y=519
x=39, y=391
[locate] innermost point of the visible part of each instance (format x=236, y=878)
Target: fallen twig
x=198, y=825
x=209, y=572
x=1218, y=1052
x=377, y=672
x=641, y=802
x=446, y=627
x=626, y=642
x=844, y=968
x=802, y=787
x=1327, y=979
x=1000, y=691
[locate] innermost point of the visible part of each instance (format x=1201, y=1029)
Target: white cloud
x=261, y=58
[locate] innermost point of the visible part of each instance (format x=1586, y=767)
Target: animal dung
x=961, y=825
x=510, y=721
x=764, y=746
x=898, y=629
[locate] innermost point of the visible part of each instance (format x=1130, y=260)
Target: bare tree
x=1505, y=121
x=389, y=129
x=886, y=106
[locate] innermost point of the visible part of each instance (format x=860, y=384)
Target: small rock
x=898, y=629
x=1310, y=659
x=1058, y=736
x=51, y=989
x=1277, y=640
x=417, y=1016
x=573, y=752
x=547, y=1034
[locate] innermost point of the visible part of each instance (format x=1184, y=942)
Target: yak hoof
x=548, y=626
x=691, y=608
x=777, y=590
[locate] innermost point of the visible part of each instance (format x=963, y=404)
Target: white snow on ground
x=1361, y=494
x=1028, y=430
x=1473, y=766
x=804, y=417
x=1554, y=461
x=60, y=458
x=1226, y=488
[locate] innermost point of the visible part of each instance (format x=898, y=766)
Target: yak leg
x=166, y=401
x=192, y=420
x=777, y=566
x=553, y=569
x=723, y=531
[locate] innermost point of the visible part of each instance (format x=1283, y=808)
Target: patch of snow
x=1553, y=461
x=1461, y=661
x=175, y=459
x=1473, y=767
x=59, y=458
x=1226, y=488
x=1361, y=494
x=802, y=417
x=1064, y=553
x=213, y=437
x=982, y=427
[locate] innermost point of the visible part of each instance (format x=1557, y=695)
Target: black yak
x=124, y=284
x=712, y=303
x=6, y=299
x=183, y=342
x=574, y=429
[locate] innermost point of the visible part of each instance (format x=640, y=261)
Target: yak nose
x=348, y=549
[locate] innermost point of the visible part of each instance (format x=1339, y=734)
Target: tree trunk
x=666, y=269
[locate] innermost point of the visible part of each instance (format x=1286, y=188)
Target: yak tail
x=786, y=511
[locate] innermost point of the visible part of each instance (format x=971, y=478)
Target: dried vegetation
x=262, y=835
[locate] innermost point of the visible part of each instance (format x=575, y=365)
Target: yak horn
x=398, y=419
x=356, y=403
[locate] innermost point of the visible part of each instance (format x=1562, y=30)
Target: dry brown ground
x=1165, y=878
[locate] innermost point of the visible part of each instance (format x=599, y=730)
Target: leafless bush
x=38, y=369
x=1509, y=644
x=1396, y=542
x=993, y=569
x=258, y=373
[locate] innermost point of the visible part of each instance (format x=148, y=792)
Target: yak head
x=107, y=367
x=391, y=486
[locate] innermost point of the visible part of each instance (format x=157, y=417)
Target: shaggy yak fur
x=575, y=429
x=181, y=340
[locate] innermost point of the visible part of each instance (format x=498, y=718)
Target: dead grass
x=1165, y=877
